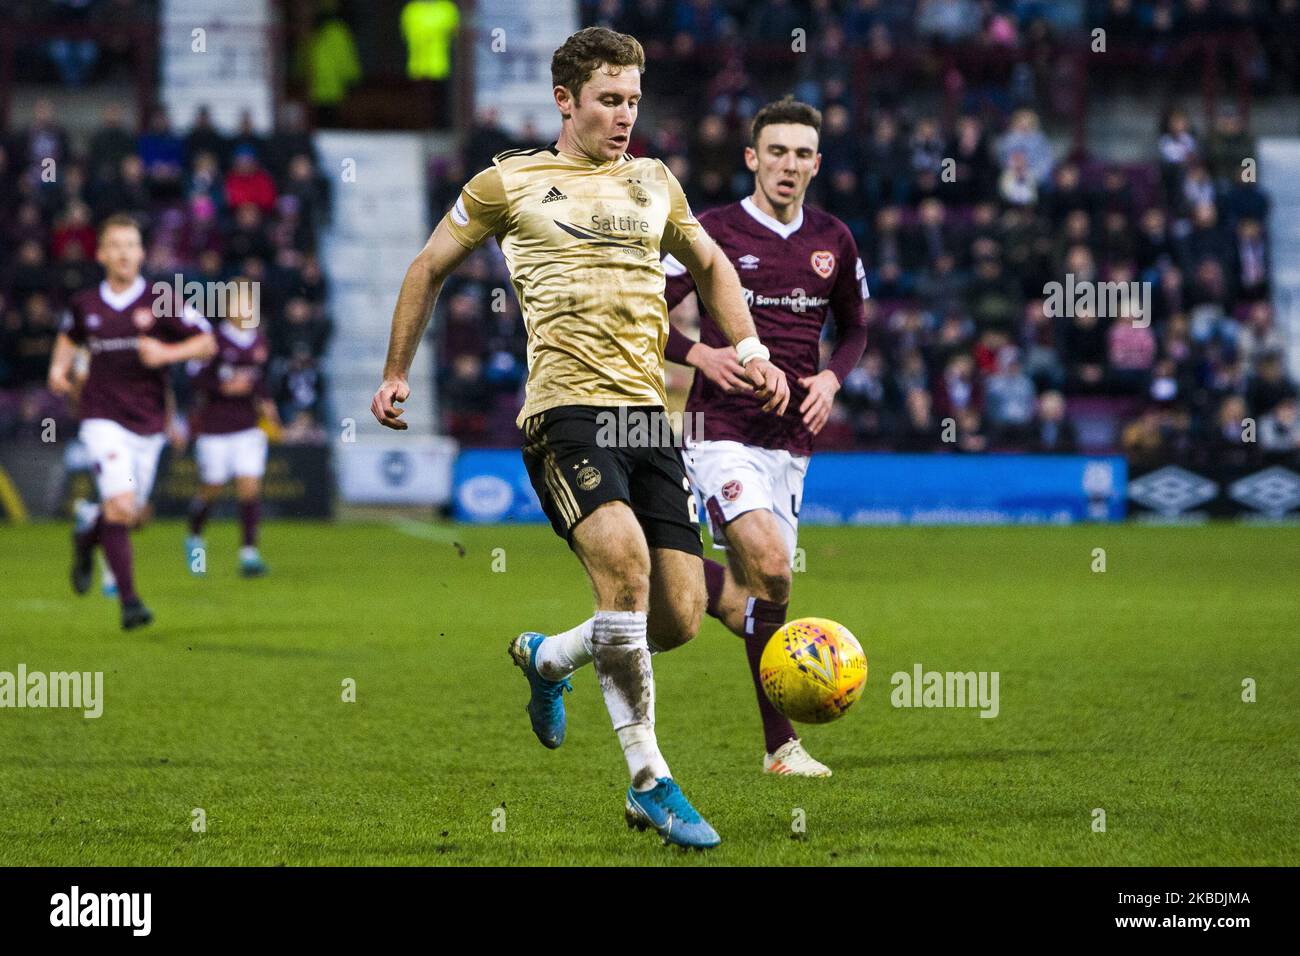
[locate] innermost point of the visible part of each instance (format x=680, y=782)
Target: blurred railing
x=33, y=38
x=910, y=67
x=1174, y=67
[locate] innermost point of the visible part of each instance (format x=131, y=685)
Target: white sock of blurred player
x=622, y=660
x=85, y=514
x=107, y=582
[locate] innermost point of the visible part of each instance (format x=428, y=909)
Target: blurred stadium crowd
x=958, y=264
x=936, y=152
x=212, y=207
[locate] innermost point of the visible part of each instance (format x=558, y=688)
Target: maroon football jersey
x=119, y=386
x=793, y=276
x=239, y=352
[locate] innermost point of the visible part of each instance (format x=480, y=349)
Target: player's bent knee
x=677, y=623
x=698, y=601
x=667, y=638
x=673, y=627
x=623, y=586
x=773, y=581
x=121, y=510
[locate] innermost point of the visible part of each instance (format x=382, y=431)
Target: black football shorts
x=581, y=456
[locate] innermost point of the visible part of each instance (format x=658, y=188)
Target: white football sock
x=622, y=662
x=641, y=750
x=561, y=654
x=85, y=514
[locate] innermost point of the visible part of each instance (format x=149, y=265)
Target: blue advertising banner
x=857, y=488
x=491, y=485
x=861, y=488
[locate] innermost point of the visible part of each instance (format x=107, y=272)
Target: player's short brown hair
x=587, y=50
x=786, y=110
x=119, y=219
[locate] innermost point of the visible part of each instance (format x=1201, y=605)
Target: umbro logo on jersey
x=553, y=195
x=748, y=262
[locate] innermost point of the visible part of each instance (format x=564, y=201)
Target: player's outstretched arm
x=722, y=295
x=175, y=429
x=59, y=379
x=719, y=366
x=155, y=353
x=430, y=269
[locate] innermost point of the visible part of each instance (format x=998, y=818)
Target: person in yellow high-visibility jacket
x=329, y=63
x=429, y=27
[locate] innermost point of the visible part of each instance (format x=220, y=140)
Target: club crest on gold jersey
x=638, y=192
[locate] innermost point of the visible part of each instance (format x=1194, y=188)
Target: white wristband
x=751, y=348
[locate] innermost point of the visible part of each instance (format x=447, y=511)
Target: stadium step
x=380, y=221
x=1279, y=175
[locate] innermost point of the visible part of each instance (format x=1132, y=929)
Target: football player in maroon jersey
x=798, y=266
x=133, y=333
x=230, y=396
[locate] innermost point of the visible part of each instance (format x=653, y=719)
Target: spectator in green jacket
x=332, y=66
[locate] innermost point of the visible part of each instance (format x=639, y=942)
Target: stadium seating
x=882, y=173
x=213, y=206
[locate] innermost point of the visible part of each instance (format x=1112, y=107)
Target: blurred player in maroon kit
x=797, y=264
x=230, y=393
x=132, y=334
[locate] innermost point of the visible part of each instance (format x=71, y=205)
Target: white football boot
x=792, y=760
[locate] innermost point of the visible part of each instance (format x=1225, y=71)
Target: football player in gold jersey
x=581, y=225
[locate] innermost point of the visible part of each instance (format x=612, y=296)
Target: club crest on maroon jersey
x=823, y=263
x=142, y=318
x=732, y=489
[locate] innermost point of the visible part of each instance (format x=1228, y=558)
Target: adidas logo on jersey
x=553, y=195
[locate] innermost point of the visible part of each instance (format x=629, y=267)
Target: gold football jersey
x=582, y=241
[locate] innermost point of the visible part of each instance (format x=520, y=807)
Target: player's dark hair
x=786, y=110
x=118, y=219
x=587, y=50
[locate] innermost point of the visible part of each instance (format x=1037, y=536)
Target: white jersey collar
x=776, y=225
x=120, y=300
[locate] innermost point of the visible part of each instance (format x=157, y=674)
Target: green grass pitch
x=1119, y=690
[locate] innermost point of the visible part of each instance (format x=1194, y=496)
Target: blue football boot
x=251, y=564
x=666, y=809
x=546, y=705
